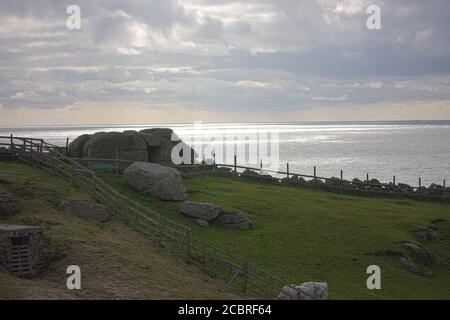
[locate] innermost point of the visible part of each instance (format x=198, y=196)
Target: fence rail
x=238, y=273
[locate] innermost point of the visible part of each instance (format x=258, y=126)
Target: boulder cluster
x=415, y=257
x=148, y=145
x=204, y=214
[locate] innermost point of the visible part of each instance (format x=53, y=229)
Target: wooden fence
x=334, y=184
x=239, y=274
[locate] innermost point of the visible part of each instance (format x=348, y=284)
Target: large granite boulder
x=103, y=145
x=234, y=221
x=77, y=145
x=85, y=210
x=8, y=205
x=152, y=145
x=159, y=181
x=305, y=291
x=201, y=210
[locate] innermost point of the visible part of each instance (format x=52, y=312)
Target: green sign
x=106, y=166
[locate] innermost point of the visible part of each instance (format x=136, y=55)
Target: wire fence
x=334, y=184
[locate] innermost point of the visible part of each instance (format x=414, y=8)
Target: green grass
x=305, y=235
x=116, y=262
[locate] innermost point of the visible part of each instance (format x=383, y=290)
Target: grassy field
x=305, y=235
x=116, y=262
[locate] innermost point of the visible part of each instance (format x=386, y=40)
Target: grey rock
x=426, y=234
x=159, y=181
x=409, y=265
x=85, y=210
x=305, y=291
x=201, y=210
x=201, y=223
x=313, y=291
x=103, y=145
x=8, y=205
x=77, y=145
x=288, y=293
x=234, y=221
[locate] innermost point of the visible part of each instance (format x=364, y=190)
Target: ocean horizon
x=408, y=149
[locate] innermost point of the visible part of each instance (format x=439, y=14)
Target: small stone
x=201, y=223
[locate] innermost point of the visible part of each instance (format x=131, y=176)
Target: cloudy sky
x=149, y=61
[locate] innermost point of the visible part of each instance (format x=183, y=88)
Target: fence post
x=67, y=144
x=342, y=182
x=315, y=175
x=137, y=210
x=287, y=170
x=245, y=277
x=161, y=242
x=235, y=164
x=117, y=162
x=90, y=157
x=367, y=177
x=271, y=285
x=12, y=141
x=393, y=180
x=420, y=182
x=188, y=244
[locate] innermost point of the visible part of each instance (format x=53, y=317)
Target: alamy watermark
x=374, y=280
x=252, y=148
x=74, y=279
x=373, y=22
x=73, y=22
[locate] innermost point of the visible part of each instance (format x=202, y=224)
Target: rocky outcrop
x=305, y=291
x=201, y=210
x=205, y=214
x=159, y=181
x=85, y=210
x=8, y=205
x=152, y=145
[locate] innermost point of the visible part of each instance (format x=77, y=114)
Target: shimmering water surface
x=406, y=149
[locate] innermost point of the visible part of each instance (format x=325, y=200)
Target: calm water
x=382, y=149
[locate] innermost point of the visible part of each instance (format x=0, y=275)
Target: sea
x=408, y=150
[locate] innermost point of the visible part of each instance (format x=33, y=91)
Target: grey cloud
x=223, y=55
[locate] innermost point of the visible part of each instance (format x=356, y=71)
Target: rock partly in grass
x=159, y=181
x=422, y=255
x=305, y=291
x=426, y=234
x=234, y=221
x=201, y=210
x=201, y=223
x=85, y=210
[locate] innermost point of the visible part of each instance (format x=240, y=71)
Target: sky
x=167, y=61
